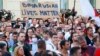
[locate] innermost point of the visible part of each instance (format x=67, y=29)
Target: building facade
x=14, y=5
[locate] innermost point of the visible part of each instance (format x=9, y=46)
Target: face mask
x=34, y=40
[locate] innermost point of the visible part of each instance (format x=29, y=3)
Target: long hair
x=27, y=37
x=16, y=51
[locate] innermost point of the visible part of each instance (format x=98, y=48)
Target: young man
x=86, y=50
x=3, y=49
x=42, y=50
x=21, y=42
x=75, y=51
x=64, y=44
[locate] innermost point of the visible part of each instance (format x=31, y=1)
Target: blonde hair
x=16, y=50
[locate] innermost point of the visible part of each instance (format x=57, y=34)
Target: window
x=63, y=4
x=1, y=4
x=33, y=1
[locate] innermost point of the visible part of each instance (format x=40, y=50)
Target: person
x=89, y=36
x=2, y=28
x=13, y=40
x=3, y=49
x=41, y=48
x=21, y=42
x=75, y=51
x=64, y=44
x=34, y=44
x=60, y=35
x=28, y=37
x=75, y=42
x=97, y=46
x=8, y=28
x=19, y=51
x=86, y=50
x=53, y=45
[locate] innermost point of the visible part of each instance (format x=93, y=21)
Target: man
x=13, y=41
x=8, y=28
x=60, y=35
x=75, y=51
x=89, y=37
x=86, y=50
x=3, y=49
x=53, y=44
x=21, y=42
x=42, y=50
x=64, y=44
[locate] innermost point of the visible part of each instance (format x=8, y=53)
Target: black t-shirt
x=45, y=53
x=27, y=49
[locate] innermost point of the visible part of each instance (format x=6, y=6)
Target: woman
x=2, y=28
x=19, y=51
x=28, y=37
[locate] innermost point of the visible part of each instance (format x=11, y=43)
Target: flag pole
x=72, y=20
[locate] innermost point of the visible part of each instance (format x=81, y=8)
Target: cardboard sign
x=39, y=10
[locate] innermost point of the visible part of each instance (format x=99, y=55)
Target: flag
x=86, y=8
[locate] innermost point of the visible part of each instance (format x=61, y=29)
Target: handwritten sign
x=39, y=10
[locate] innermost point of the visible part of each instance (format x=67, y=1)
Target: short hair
x=81, y=39
x=2, y=45
x=20, y=33
x=89, y=28
x=15, y=33
x=74, y=50
x=53, y=34
x=62, y=43
x=95, y=39
x=41, y=44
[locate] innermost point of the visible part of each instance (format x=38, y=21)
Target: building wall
x=77, y=7
x=13, y=6
x=1, y=4
x=97, y=4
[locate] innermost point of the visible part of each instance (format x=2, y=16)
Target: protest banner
x=39, y=10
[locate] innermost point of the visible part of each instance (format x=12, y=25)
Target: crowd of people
x=51, y=37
